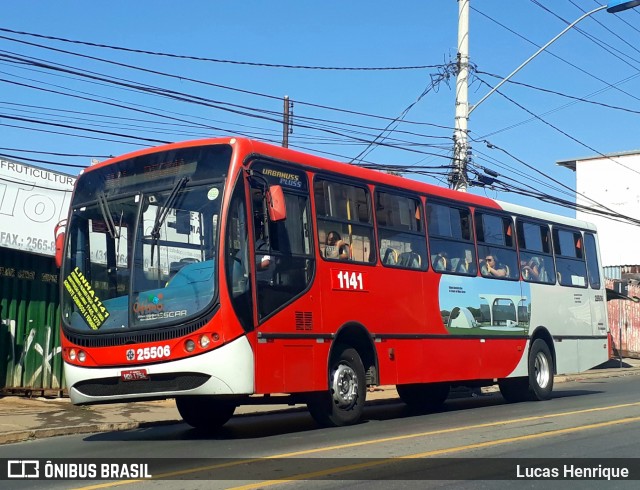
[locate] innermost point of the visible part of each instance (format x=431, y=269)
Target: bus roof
x=248, y=147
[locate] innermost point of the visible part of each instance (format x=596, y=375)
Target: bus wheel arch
x=355, y=335
x=350, y=358
x=542, y=333
x=541, y=362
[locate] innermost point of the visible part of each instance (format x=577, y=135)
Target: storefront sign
x=32, y=201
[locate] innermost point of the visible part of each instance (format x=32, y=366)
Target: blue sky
x=330, y=33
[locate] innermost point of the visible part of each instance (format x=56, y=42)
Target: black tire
x=203, y=412
x=539, y=384
x=515, y=390
x=344, y=401
x=540, y=371
x=427, y=397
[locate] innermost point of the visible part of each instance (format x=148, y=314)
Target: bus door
x=285, y=314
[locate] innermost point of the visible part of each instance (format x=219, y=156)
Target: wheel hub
x=344, y=386
x=542, y=370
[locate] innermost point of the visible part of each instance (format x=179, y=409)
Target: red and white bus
x=227, y=271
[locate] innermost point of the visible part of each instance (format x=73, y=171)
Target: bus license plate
x=134, y=375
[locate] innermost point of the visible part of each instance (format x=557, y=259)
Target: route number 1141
x=346, y=280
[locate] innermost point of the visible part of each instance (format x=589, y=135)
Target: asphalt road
x=482, y=442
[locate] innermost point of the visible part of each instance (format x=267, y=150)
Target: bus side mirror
x=59, y=233
x=276, y=204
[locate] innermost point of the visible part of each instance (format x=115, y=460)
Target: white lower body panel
x=230, y=369
x=571, y=355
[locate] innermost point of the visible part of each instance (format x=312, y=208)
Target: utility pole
x=461, y=149
x=458, y=176
x=286, y=122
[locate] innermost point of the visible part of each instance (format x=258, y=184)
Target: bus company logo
x=131, y=355
x=23, y=468
x=148, y=304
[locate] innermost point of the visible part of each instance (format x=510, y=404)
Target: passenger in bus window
x=532, y=269
x=465, y=264
x=490, y=267
x=335, y=247
x=440, y=262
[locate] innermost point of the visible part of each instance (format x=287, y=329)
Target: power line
x=550, y=52
x=235, y=108
x=210, y=84
x=217, y=60
x=181, y=96
x=602, y=206
x=561, y=131
x=22, y=150
x=443, y=75
x=572, y=97
x=48, y=162
x=607, y=47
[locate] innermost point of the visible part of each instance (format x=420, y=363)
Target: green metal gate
x=30, y=353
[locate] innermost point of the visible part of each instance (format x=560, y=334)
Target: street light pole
x=458, y=177
x=508, y=77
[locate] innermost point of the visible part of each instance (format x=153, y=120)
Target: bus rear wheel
x=428, y=397
x=539, y=384
x=540, y=370
x=343, y=403
x=203, y=412
x=514, y=390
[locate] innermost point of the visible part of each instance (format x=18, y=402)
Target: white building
x=613, y=181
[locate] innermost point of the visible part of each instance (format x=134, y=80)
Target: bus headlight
x=72, y=354
x=204, y=341
x=82, y=356
x=189, y=345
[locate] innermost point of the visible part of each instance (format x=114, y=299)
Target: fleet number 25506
x=157, y=352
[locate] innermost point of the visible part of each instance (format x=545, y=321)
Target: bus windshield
x=143, y=240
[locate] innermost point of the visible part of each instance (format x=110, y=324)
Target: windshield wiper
x=163, y=212
x=106, y=214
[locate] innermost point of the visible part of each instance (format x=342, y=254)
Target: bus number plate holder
x=134, y=375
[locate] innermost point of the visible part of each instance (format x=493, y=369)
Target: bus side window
x=593, y=268
x=344, y=215
x=401, y=238
x=570, y=263
x=536, y=259
x=496, y=247
x=451, y=239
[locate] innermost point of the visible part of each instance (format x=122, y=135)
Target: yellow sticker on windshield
x=84, y=297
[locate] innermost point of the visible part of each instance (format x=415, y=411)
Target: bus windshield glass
x=143, y=240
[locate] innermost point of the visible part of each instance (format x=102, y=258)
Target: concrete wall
x=614, y=182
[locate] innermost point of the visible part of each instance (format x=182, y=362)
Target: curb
x=33, y=434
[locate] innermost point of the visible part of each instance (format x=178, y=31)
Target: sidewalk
x=22, y=419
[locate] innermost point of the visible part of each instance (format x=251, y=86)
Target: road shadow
x=298, y=420
x=612, y=364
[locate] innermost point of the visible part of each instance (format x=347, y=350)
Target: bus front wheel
x=343, y=403
x=203, y=412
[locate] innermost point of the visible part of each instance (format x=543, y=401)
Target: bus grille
x=137, y=337
x=158, y=383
